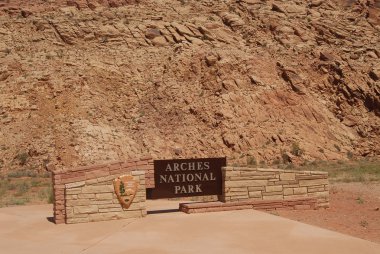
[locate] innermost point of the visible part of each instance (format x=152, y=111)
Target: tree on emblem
x=122, y=191
x=122, y=188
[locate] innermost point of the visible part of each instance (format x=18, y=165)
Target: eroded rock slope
x=83, y=82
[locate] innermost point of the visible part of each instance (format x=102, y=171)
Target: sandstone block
x=138, y=173
x=256, y=198
x=104, y=196
x=301, y=190
x=246, y=183
x=86, y=209
x=323, y=194
x=86, y=196
x=113, y=209
x=273, y=188
x=311, y=177
x=255, y=194
x=323, y=205
x=261, y=188
x=73, y=191
x=272, y=193
x=268, y=177
x=71, y=197
x=287, y=183
x=78, y=202
x=242, y=197
x=313, y=182
x=274, y=197
x=77, y=220
x=288, y=191
x=316, y=188
x=104, y=202
x=237, y=189
x=111, y=205
x=231, y=173
x=257, y=173
x=74, y=185
x=69, y=211
x=295, y=196
x=237, y=193
x=287, y=176
x=97, y=189
x=92, y=181
x=106, y=178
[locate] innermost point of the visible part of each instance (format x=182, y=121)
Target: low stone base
x=266, y=205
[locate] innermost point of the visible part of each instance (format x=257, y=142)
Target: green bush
x=285, y=157
x=35, y=183
x=296, y=150
x=22, y=189
x=50, y=195
x=251, y=161
x=22, y=158
x=22, y=173
x=17, y=201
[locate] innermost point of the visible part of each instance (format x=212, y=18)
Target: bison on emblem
x=125, y=188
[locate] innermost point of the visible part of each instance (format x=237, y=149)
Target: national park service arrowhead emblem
x=125, y=188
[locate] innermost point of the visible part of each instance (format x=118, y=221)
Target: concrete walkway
x=27, y=230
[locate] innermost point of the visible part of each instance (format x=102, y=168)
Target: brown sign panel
x=187, y=177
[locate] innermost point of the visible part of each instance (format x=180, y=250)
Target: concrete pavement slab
x=27, y=230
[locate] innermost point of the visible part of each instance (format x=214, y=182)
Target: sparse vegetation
x=285, y=157
x=364, y=223
x=359, y=200
x=22, y=188
x=22, y=158
x=346, y=171
x=296, y=149
x=25, y=187
x=16, y=201
x=22, y=173
x=350, y=155
x=251, y=161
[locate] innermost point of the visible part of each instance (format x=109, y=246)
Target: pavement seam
x=107, y=236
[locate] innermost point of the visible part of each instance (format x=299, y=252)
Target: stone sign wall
x=84, y=193
x=267, y=189
x=118, y=190
x=274, y=184
x=96, y=200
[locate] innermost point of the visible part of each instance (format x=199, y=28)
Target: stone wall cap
x=273, y=170
x=52, y=168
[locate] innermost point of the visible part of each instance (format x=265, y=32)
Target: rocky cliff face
x=91, y=81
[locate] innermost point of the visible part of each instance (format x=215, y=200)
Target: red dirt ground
x=354, y=210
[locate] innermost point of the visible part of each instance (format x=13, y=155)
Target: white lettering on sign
x=188, y=166
x=186, y=189
x=184, y=178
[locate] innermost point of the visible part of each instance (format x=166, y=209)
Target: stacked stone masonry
x=86, y=193
x=95, y=200
x=251, y=184
x=296, y=204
